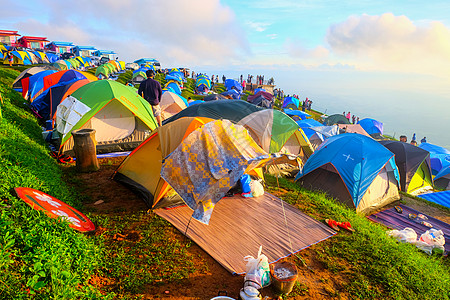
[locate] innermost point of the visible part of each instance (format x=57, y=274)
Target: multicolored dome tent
x=209, y=162
x=141, y=169
x=219, y=109
x=46, y=107
x=41, y=86
x=34, y=83
x=173, y=86
x=291, y=102
x=17, y=84
x=273, y=130
x=138, y=76
x=121, y=118
x=413, y=164
x=335, y=119
x=203, y=83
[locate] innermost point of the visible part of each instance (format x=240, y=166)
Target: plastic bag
x=257, y=188
x=430, y=240
x=245, y=183
x=407, y=235
x=257, y=270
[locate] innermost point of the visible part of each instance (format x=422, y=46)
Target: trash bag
x=257, y=270
x=430, y=240
x=257, y=188
x=407, y=235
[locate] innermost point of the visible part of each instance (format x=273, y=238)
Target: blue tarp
x=306, y=124
x=357, y=158
x=301, y=114
x=441, y=198
x=371, y=126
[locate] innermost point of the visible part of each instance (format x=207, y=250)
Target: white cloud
x=272, y=36
x=392, y=43
x=258, y=26
x=296, y=49
x=175, y=32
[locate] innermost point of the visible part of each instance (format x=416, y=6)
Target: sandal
x=332, y=223
x=398, y=209
x=346, y=226
x=426, y=224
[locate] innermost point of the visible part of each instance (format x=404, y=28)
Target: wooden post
x=85, y=150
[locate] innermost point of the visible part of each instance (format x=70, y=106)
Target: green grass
x=38, y=256
x=142, y=251
x=377, y=265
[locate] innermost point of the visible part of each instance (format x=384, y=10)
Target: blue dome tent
x=371, y=126
x=354, y=169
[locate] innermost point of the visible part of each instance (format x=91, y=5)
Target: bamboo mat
x=239, y=225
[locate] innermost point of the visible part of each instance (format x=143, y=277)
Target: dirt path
x=427, y=209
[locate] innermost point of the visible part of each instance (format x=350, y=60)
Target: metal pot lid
x=251, y=291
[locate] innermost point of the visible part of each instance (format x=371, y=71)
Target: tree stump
x=85, y=150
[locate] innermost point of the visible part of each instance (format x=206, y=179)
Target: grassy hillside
x=43, y=258
x=38, y=255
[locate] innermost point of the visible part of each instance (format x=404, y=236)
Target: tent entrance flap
x=240, y=225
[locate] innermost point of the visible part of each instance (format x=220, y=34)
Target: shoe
x=346, y=225
x=398, y=209
x=412, y=216
x=332, y=223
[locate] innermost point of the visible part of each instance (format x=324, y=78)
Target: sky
x=387, y=60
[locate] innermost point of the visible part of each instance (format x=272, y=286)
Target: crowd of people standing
x=351, y=118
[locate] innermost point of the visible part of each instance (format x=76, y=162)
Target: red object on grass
x=55, y=208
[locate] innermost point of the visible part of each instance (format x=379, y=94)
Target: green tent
x=122, y=119
x=139, y=76
x=102, y=70
x=110, y=67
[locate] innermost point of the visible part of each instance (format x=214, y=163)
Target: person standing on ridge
x=10, y=58
x=150, y=90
